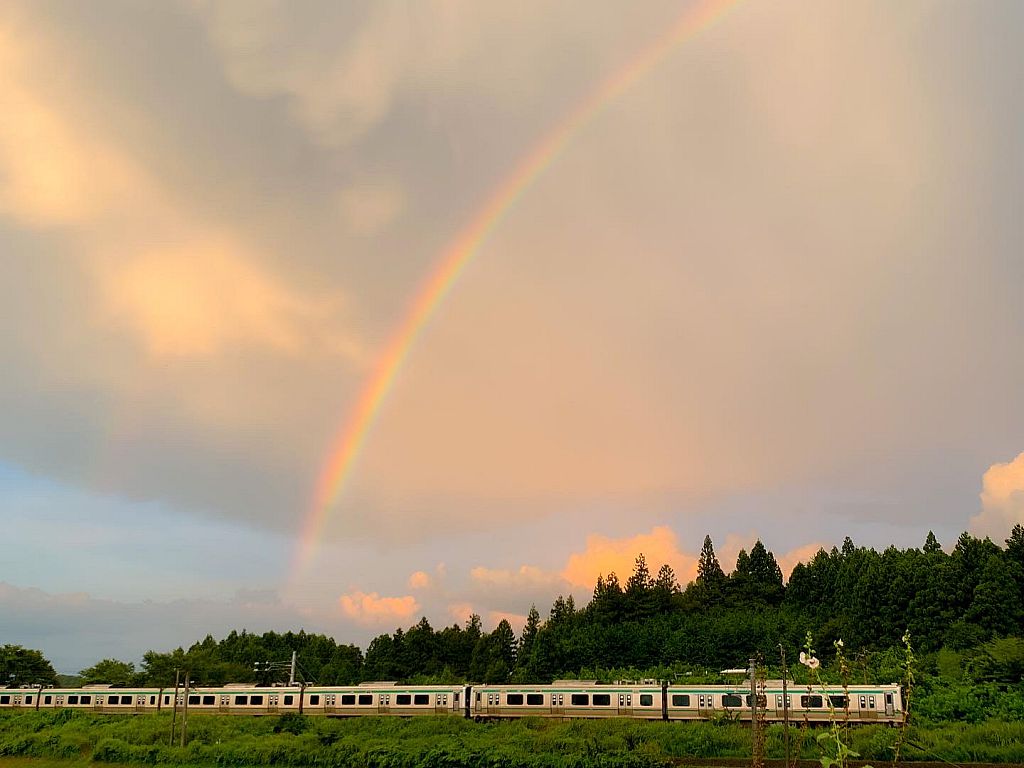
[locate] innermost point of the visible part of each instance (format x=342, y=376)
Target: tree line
x=965, y=599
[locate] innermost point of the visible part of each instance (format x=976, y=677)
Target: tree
x=710, y=576
x=528, y=638
x=996, y=604
x=931, y=545
x=25, y=666
x=111, y=671
x=666, y=586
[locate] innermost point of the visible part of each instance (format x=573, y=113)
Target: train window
x=421, y=699
x=863, y=702
x=5, y=699
x=514, y=699
x=602, y=699
x=152, y=700
x=403, y=699
x=366, y=699
x=778, y=701
x=47, y=699
x=580, y=699
x=240, y=700
x=871, y=702
x=314, y=699
x=535, y=699
x=478, y=697
x=629, y=699
x=209, y=701
x=678, y=700
x=167, y=699
x=622, y=699
x=456, y=698
x=255, y=699
x=731, y=700
x=288, y=699
x=762, y=701
x=126, y=699
x=808, y=702
x=193, y=700
x=71, y=700
x=28, y=699
x=702, y=701
x=348, y=699
x=646, y=700
x=839, y=702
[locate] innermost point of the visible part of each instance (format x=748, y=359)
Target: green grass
x=70, y=738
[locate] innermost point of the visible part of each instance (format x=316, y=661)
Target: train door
x=889, y=708
x=272, y=703
x=625, y=703
x=383, y=703
x=706, y=705
x=440, y=703
x=558, y=704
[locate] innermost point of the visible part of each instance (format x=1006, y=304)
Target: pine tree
x=710, y=577
x=931, y=545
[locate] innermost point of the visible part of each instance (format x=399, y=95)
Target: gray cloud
x=784, y=259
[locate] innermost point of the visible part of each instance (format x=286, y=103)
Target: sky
x=741, y=268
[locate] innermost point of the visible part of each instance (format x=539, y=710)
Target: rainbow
x=350, y=439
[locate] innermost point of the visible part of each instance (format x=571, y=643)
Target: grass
x=65, y=738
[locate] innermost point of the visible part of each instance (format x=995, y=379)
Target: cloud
x=802, y=554
x=201, y=298
x=1002, y=499
x=371, y=608
x=338, y=88
x=525, y=577
x=370, y=206
x=420, y=580
x=461, y=611
x=604, y=555
x=76, y=629
x=516, y=621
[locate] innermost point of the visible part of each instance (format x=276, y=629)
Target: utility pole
x=291, y=673
x=184, y=714
x=785, y=702
x=174, y=711
x=753, y=701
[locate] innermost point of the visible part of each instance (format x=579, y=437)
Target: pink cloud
x=371, y=608
x=420, y=580
x=604, y=555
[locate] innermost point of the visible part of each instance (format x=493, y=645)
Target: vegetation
x=964, y=610
x=450, y=741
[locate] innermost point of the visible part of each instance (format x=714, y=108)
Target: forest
x=963, y=610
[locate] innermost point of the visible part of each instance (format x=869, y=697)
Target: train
x=562, y=699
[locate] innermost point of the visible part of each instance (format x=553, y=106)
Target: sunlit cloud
x=604, y=555
x=420, y=580
x=516, y=621
x=461, y=611
x=201, y=298
x=1002, y=500
x=370, y=608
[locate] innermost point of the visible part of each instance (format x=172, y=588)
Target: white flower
x=839, y=642
x=809, y=661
